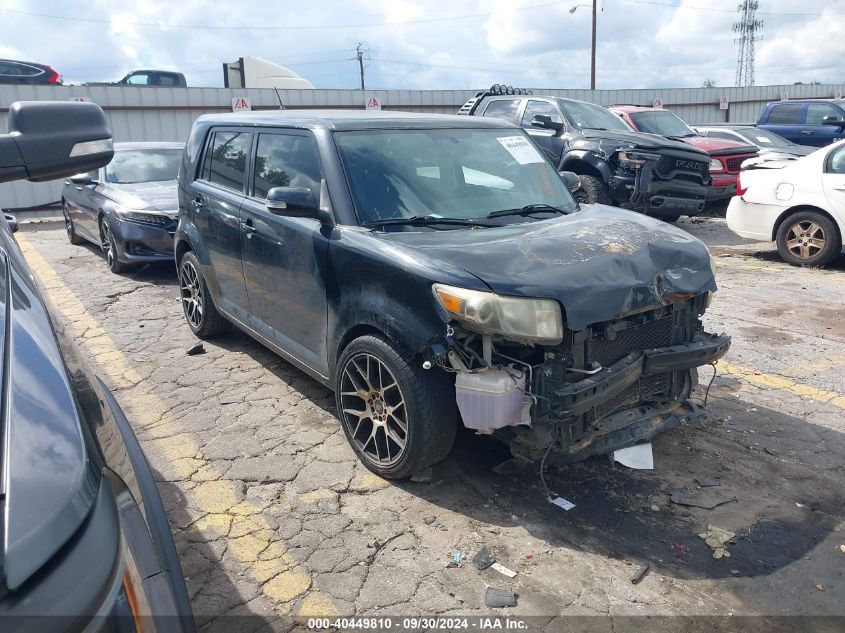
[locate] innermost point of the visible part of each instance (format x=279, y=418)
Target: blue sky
x=429, y=45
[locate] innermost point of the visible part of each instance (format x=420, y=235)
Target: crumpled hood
x=599, y=263
x=143, y=196
x=637, y=139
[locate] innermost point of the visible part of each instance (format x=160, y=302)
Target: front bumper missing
x=578, y=398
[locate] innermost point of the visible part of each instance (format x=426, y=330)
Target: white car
x=800, y=204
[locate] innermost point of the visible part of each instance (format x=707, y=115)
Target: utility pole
x=593, y=57
x=747, y=28
x=359, y=55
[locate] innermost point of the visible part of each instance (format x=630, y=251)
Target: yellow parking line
x=768, y=381
x=250, y=538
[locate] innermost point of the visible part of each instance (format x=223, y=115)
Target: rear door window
x=225, y=159
x=502, y=109
x=786, y=114
x=535, y=107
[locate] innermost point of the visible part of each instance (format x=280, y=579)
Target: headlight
x=154, y=219
x=627, y=161
x=529, y=320
x=716, y=165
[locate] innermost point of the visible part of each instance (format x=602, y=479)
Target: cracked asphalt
x=273, y=516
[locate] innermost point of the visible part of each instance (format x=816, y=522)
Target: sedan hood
x=143, y=196
x=719, y=146
x=600, y=263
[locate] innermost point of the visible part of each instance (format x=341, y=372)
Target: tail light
x=740, y=190
x=54, y=77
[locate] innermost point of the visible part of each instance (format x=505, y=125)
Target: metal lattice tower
x=748, y=28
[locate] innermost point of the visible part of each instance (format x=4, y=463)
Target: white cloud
x=640, y=43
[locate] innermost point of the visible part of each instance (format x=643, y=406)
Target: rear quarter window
x=502, y=109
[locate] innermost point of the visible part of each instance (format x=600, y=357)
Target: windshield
x=144, y=165
x=456, y=174
x=661, y=122
x=763, y=138
x=591, y=117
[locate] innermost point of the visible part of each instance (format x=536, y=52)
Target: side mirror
x=53, y=139
x=545, y=121
x=833, y=120
x=296, y=202
x=572, y=180
x=12, y=222
x=81, y=179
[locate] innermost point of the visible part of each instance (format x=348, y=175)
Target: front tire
x=72, y=236
x=592, y=191
x=200, y=312
x=808, y=238
x=398, y=417
x=109, y=246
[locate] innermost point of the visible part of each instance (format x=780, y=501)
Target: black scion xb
x=86, y=545
x=435, y=270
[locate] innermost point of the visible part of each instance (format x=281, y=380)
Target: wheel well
x=583, y=169
x=181, y=248
x=794, y=210
x=356, y=332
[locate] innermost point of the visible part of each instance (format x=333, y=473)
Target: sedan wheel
x=808, y=238
x=374, y=409
x=109, y=247
x=69, y=227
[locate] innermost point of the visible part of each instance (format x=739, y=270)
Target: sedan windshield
x=457, y=175
x=588, y=116
x=662, y=122
x=144, y=165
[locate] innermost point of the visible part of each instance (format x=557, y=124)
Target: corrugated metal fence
x=166, y=114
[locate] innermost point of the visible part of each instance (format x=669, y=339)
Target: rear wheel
x=592, y=191
x=808, y=238
x=398, y=417
x=109, y=247
x=200, y=312
x=69, y=228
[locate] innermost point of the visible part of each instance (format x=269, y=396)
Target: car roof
x=20, y=61
x=634, y=108
x=352, y=119
x=840, y=102
x=118, y=147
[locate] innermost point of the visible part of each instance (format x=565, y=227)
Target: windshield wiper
x=426, y=220
x=528, y=209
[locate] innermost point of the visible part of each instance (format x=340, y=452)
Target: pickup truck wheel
x=592, y=191
x=808, y=238
x=72, y=236
x=398, y=417
x=200, y=312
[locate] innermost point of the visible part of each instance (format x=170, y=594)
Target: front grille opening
x=657, y=333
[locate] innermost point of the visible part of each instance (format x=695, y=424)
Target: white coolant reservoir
x=491, y=398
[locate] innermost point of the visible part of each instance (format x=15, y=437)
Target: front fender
x=572, y=158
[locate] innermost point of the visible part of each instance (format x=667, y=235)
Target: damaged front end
x=665, y=182
x=585, y=392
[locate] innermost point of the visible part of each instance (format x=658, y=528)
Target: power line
x=718, y=10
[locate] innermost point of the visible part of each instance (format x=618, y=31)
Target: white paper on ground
x=638, y=457
x=503, y=570
x=563, y=503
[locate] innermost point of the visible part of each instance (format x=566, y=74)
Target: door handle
x=808, y=132
x=248, y=227
x=840, y=188
x=197, y=203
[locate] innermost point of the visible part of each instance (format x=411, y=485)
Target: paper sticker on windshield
x=763, y=139
x=521, y=149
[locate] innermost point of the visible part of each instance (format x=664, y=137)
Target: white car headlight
x=522, y=319
x=716, y=165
